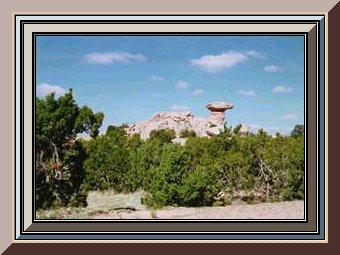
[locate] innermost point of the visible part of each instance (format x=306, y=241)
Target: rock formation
x=217, y=112
x=179, y=121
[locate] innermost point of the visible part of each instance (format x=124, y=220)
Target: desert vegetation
x=203, y=172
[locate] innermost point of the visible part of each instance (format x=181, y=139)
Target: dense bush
x=186, y=133
x=165, y=180
x=163, y=135
x=217, y=170
x=298, y=131
x=142, y=159
x=107, y=162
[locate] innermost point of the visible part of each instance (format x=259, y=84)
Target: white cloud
x=113, y=57
x=290, y=116
x=44, y=89
x=217, y=63
x=226, y=60
x=198, y=92
x=272, y=68
x=157, y=78
x=182, y=85
x=282, y=89
x=249, y=93
x=179, y=108
x=255, y=54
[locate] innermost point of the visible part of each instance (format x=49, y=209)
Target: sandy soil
x=282, y=210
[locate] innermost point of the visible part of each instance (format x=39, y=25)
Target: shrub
x=186, y=133
x=200, y=186
x=166, y=179
x=163, y=135
x=107, y=161
x=145, y=157
x=298, y=131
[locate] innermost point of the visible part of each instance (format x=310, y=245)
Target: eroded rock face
x=179, y=121
x=217, y=112
x=219, y=106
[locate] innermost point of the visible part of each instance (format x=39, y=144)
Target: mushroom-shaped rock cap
x=219, y=106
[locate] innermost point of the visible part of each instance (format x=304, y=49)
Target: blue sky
x=129, y=78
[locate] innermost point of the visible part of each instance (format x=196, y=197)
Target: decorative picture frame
x=29, y=27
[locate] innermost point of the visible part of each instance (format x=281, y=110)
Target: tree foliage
x=186, y=133
x=58, y=154
x=107, y=162
x=204, y=171
x=298, y=131
x=163, y=135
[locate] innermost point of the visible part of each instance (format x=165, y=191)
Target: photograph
x=169, y=127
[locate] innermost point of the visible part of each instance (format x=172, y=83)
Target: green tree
x=186, y=133
x=143, y=158
x=298, y=130
x=59, y=156
x=166, y=179
x=107, y=161
x=200, y=185
x=163, y=135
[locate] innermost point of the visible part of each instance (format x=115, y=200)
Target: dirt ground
x=282, y=210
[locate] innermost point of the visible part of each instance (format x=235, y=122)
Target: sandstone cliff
x=179, y=121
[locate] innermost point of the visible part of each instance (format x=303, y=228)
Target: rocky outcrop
x=217, y=112
x=179, y=121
